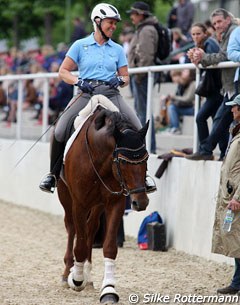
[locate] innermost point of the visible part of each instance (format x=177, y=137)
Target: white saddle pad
x=85, y=113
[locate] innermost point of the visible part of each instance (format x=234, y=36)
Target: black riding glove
x=84, y=86
x=116, y=81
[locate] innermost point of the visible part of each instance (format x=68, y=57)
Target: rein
x=117, y=159
x=96, y=172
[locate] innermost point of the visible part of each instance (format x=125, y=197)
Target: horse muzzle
x=139, y=202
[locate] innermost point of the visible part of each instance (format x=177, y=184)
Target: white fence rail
x=149, y=70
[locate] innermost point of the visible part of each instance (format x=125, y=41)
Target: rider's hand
x=84, y=86
x=116, y=81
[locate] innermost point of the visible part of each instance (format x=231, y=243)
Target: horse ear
x=100, y=120
x=144, y=130
x=117, y=134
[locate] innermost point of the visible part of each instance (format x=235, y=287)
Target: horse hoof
x=76, y=285
x=65, y=282
x=109, y=296
x=90, y=285
x=108, y=299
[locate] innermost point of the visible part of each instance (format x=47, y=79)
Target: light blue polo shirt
x=94, y=61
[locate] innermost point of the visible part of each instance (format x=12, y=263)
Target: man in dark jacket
x=78, y=30
x=185, y=16
x=142, y=49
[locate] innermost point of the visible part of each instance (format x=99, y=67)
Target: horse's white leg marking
x=87, y=271
x=78, y=271
x=109, y=272
x=108, y=292
x=77, y=275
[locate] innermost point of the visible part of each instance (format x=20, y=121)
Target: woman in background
x=202, y=39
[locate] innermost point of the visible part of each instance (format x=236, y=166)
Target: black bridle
x=118, y=158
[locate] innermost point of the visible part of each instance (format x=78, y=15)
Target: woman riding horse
x=102, y=67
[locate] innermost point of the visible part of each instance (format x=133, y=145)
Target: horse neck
x=101, y=144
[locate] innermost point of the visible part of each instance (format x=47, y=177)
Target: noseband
x=122, y=155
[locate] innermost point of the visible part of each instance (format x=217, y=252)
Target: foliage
x=53, y=19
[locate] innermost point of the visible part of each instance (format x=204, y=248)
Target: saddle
x=84, y=114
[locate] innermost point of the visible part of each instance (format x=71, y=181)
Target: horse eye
x=123, y=161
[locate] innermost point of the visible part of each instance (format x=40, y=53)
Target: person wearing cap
x=141, y=53
x=102, y=68
x=228, y=243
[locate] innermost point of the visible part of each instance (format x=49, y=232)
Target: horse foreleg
x=78, y=278
x=108, y=292
x=114, y=214
x=68, y=257
x=66, y=201
x=93, y=226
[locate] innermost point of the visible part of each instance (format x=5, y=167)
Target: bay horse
x=106, y=162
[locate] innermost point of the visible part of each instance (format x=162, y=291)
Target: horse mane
x=113, y=120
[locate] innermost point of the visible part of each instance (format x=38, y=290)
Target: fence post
x=45, y=108
x=19, y=109
x=196, y=109
x=149, y=109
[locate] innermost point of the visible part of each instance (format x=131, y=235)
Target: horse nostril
x=135, y=205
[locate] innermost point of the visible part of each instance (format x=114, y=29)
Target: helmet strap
x=99, y=25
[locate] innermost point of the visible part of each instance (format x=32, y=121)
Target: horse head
x=130, y=159
x=130, y=156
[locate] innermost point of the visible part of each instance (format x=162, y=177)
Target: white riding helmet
x=105, y=10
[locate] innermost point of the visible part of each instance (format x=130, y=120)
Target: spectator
x=62, y=49
x=233, y=50
x=6, y=86
x=224, y=24
x=21, y=61
x=178, y=42
x=3, y=97
x=125, y=38
x=38, y=84
x=30, y=97
x=210, y=106
x=50, y=56
x=228, y=243
x=142, y=49
x=172, y=17
x=210, y=28
x=59, y=100
x=182, y=102
x=78, y=30
x=185, y=16
x=12, y=101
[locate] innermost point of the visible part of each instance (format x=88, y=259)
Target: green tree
x=51, y=21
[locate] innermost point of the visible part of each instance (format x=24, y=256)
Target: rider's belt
x=96, y=82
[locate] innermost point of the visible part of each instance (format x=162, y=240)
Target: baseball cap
x=235, y=101
x=140, y=8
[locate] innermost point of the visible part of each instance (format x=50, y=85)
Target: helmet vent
x=113, y=8
x=103, y=12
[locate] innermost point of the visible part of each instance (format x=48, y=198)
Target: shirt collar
x=91, y=40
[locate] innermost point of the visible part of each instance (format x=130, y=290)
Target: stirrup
x=48, y=183
x=150, y=184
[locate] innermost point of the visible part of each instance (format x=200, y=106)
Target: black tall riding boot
x=49, y=182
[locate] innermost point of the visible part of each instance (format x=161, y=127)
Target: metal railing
x=149, y=70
